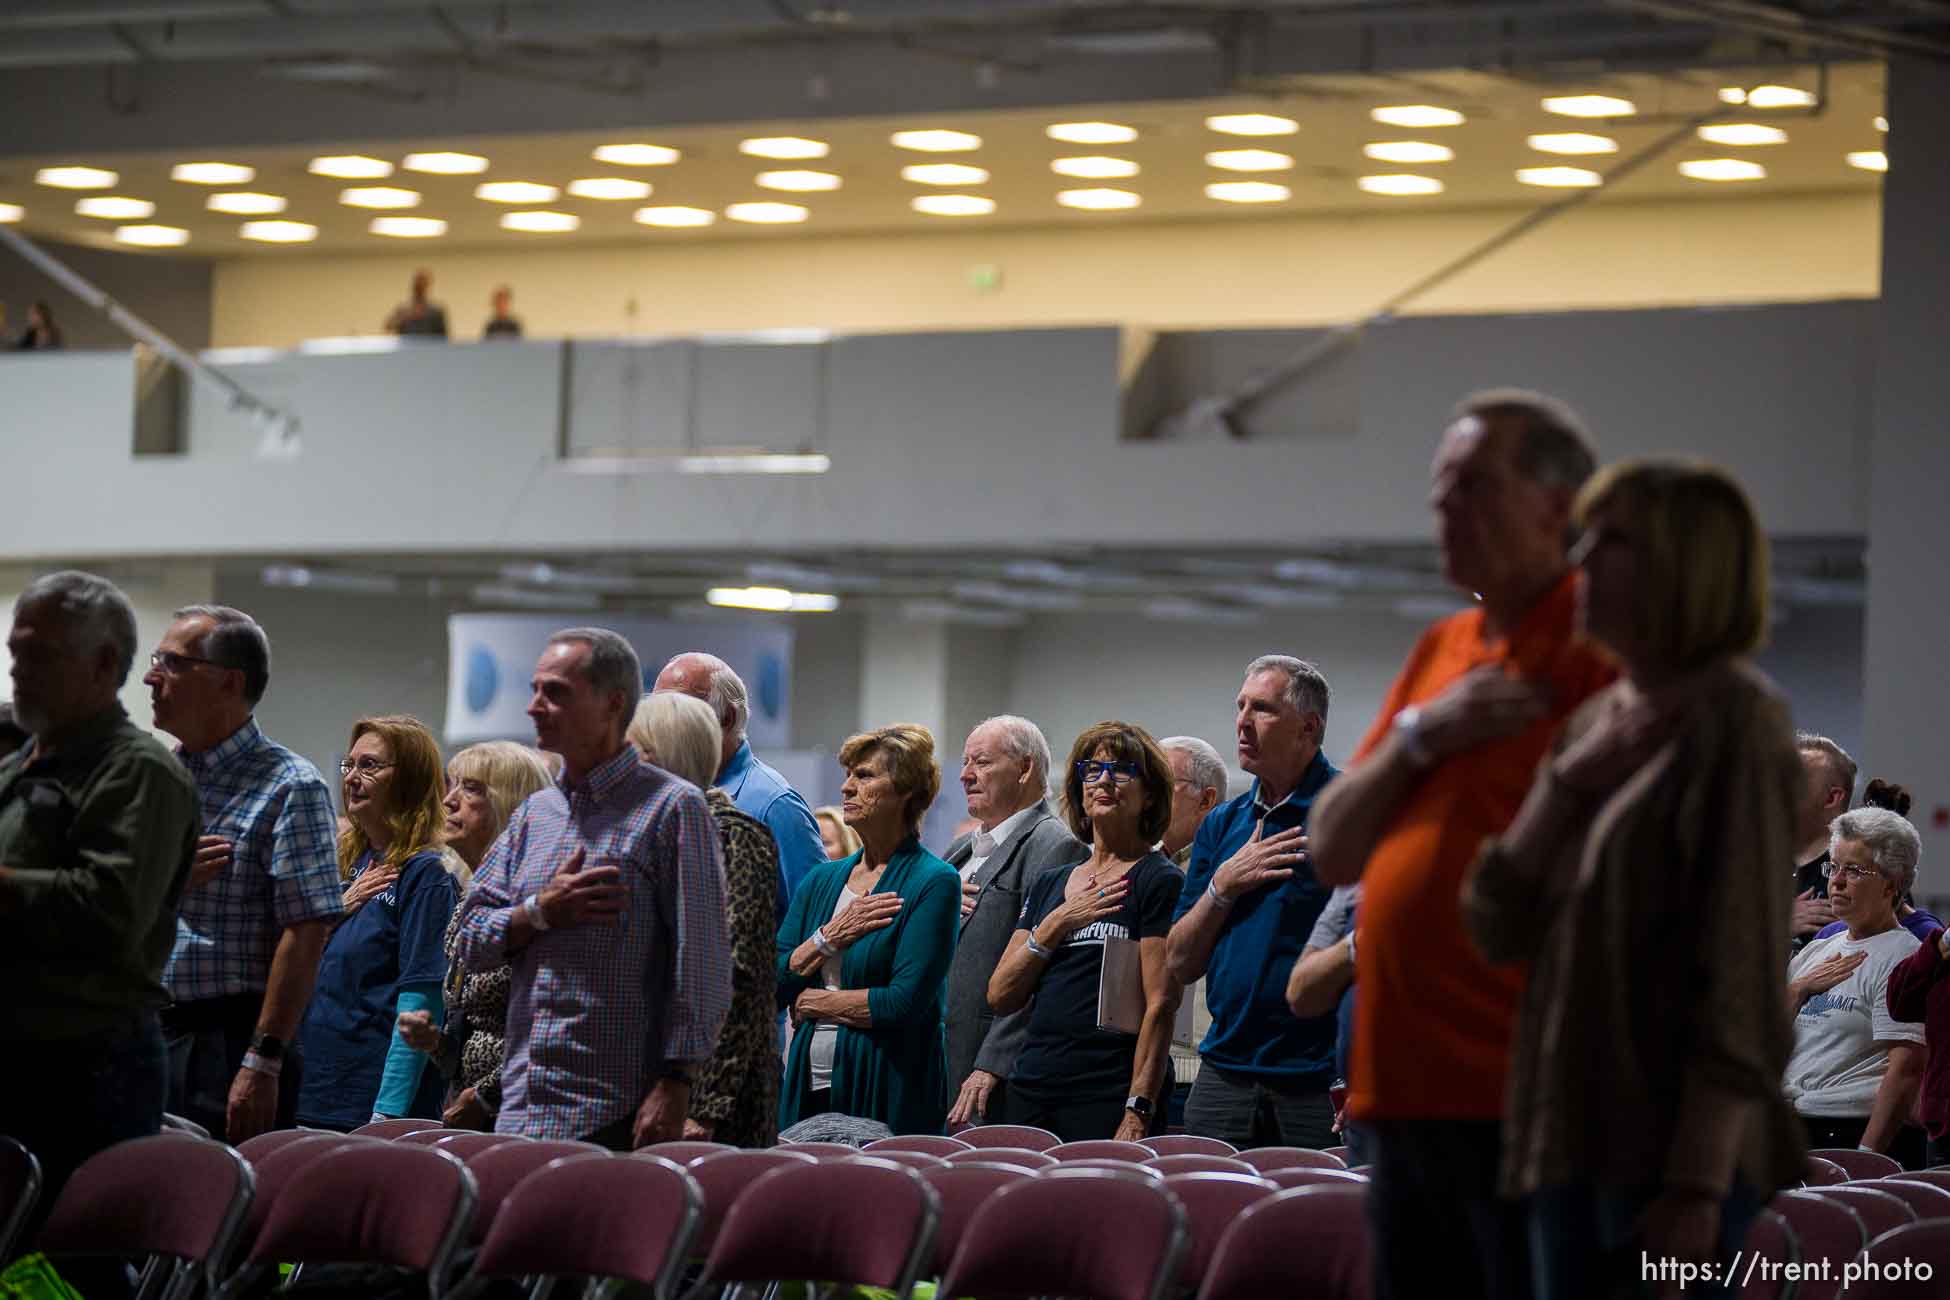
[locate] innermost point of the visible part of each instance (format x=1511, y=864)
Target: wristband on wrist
x=1040, y=950
x=825, y=945
x=1219, y=900
x=532, y=909
x=1407, y=726
x=1350, y=945
x=263, y=1064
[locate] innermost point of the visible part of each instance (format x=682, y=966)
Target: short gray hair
x=727, y=692
x=1208, y=769
x=1306, y=688
x=1841, y=768
x=1893, y=844
x=1023, y=739
x=235, y=641
x=680, y=734
x=613, y=666
x=1557, y=449
x=95, y=609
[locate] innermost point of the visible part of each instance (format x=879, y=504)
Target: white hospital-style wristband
x=532, y=909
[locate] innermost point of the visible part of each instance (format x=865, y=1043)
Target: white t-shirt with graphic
x=1837, y=1064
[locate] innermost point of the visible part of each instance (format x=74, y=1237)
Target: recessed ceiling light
x=953, y=205
x=516, y=192
x=152, y=236
x=1416, y=115
x=76, y=178
x=1098, y=200
x=798, y=182
x=1733, y=94
x=944, y=174
x=1408, y=151
x=1779, y=97
x=1247, y=192
x=213, y=173
x=540, y=223
x=767, y=214
x=114, y=206
x=1096, y=167
x=635, y=155
x=1722, y=169
x=1589, y=106
x=609, y=187
x=379, y=196
x=408, y=227
x=675, y=216
x=245, y=203
x=350, y=167
x=1252, y=124
x=1091, y=133
x=1249, y=160
x=1742, y=134
x=1400, y=183
x=11, y=212
x=936, y=141
x=1882, y=123
x=445, y=164
x=1869, y=160
x=783, y=146
x=1572, y=142
x=279, y=232
x=1575, y=178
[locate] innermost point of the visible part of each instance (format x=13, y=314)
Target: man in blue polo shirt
x=1249, y=902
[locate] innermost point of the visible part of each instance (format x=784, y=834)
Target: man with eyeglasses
x=1249, y=902
x=264, y=891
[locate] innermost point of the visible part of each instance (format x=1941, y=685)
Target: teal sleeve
x=401, y=1077
x=926, y=948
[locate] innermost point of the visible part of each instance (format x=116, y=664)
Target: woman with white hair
x=1856, y=1069
x=735, y=1098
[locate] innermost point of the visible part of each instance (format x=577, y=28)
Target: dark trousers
x=1074, y=1119
x=1908, y=1149
x=617, y=1135
x=1254, y=1111
x=1438, y=1226
x=68, y=1100
x=1584, y=1244
x=206, y=1040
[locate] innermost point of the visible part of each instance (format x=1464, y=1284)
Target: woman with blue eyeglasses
x=1073, y=1077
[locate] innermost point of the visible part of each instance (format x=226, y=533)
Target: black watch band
x=268, y=1046
x=1139, y=1106
x=677, y=1074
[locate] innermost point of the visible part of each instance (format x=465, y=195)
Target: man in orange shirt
x=1446, y=764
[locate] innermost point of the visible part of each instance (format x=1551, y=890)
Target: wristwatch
x=268, y=1046
x=676, y=1074
x=1139, y=1106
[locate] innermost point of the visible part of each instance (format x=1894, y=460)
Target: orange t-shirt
x=1433, y=1020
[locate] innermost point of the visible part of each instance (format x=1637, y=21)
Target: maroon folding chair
x=1879, y=1210
x=393, y=1128
x=1102, y=1149
x=1927, y=1199
x=20, y=1191
x=1859, y=1164
x=963, y=1189
x=1211, y=1202
x=428, y=1137
x=860, y=1222
x=1898, y=1258
x=1021, y=1157
x=931, y=1143
x=1025, y=1136
x=255, y=1149
x=1828, y=1228
x=1196, y=1163
x=912, y=1159
x=1770, y=1237
x=1267, y=1159
x=280, y=1165
x=1107, y=1233
x=465, y=1146
x=177, y=1202
x=684, y=1153
x=499, y=1168
x=1285, y=1178
x=1187, y=1144
x=1822, y=1173
x=820, y=1150
x=1256, y=1257
x=1935, y=1177
x=1339, y=1153
x=1116, y=1166
x=725, y=1176
x=405, y=1207
x=593, y=1217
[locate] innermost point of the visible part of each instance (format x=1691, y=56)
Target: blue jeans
x=1584, y=1243
x=1438, y=1226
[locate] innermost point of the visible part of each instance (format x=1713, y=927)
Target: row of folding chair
x=1854, y=1208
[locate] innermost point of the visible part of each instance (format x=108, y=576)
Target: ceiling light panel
x=11, y=212
x=767, y=214
x=636, y=155
x=279, y=232
x=1742, y=134
x=115, y=207
x=1249, y=160
x=784, y=147
x=1575, y=178
x=445, y=164
x=379, y=196
x=1091, y=132
x=1098, y=200
x=408, y=227
x=675, y=216
x=246, y=203
x=1400, y=184
x=76, y=178
x=1882, y=123
x=1722, y=169
x=1869, y=160
x=1779, y=97
x=1572, y=143
x=609, y=187
x=798, y=182
x=936, y=141
x=152, y=236
x=213, y=173
x=953, y=205
x=1418, y=116
x=540, y=223
x=1094, y=167
x=1251, y=124
x=516, y=192
x=1247, y=192
x=1408, y=151
x=350, y=167
x=944, y=174
x=1589, y=106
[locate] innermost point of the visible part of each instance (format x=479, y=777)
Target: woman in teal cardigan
x=865, y=948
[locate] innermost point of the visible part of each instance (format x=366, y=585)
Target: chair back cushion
x=593, y=1216
x=1107, y=1233
x=860, y=1222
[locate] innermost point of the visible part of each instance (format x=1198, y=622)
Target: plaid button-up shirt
x=597, y=1010
x=276, y=811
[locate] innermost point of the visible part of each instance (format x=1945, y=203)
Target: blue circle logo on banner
x=483, y=678
x=771, y=684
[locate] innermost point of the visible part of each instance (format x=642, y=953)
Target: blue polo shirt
x=760, y=791
x=1253, y=1031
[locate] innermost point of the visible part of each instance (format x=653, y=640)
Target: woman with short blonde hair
x=838, y=839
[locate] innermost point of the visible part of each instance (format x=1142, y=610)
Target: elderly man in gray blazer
x=1005, y=774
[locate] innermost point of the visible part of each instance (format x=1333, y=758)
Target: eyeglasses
x=168, y=661
x=364, y=767
x=1091, y=770
x=1830, y=870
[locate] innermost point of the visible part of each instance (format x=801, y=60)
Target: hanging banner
x=491, y=657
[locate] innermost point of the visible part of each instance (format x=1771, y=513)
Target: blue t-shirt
x=395, y=940
x=1253, y=1031
x=1064, y=1053
x=1919, y=923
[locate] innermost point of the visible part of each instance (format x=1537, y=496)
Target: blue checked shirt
x=596, y=1010
x=276, y=811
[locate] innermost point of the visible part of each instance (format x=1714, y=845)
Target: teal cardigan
x=897, y=1071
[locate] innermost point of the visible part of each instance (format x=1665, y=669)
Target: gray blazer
x=977, y=1040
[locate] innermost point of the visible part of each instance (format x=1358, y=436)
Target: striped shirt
x=598, y=1010
x=276, y=811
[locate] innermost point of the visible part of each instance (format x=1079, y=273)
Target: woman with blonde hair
x=386, y=957
x=864, y=950
x=735, y=1097
x=485, y=784
x=835, y=835
x=1643, y=880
